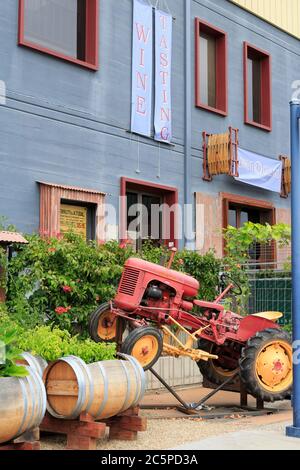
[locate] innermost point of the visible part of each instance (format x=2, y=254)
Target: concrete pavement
x=270, y=437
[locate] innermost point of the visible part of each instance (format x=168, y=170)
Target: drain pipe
x=294, y=431
x=187, y=212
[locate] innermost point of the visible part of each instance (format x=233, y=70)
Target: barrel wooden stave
x=22, y=405
x=116, y=388
x=68, y=387
x=103, y=389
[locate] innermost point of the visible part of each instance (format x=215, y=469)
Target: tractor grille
x=129, y=281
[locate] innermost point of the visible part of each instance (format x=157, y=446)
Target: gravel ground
x=167, y=434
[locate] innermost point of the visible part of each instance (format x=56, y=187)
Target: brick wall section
x=283, y=216
x=209, y=224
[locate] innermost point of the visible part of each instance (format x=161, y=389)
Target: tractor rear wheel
x=266, y=365
x=217, y=371
x=103, y=325
x=145, y=344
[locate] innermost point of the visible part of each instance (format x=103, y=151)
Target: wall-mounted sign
x=73, y=218
x=163, y=70
x=259, y=171
x=142, y=67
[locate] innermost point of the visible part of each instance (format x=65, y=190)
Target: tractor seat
x=272, y=316
x=209, y=305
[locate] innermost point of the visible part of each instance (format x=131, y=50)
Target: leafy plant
x=8, y=339
x=239, y=241
x=237, y=258
x=53, y=344
x=62, y=281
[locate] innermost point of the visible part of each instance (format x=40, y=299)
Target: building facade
x=66, y=150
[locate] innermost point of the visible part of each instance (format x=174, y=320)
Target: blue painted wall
x=65, y=124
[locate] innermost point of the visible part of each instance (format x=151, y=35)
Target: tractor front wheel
x=266, y=365
x=104, y=325
x=145, y=344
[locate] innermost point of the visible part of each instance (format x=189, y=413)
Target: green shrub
x=8, y=339
x=62, y=281
x=53, y=344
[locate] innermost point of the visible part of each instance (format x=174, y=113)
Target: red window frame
x=266, y=87
x=92, y=37
x=170, y=198
x=221, y=67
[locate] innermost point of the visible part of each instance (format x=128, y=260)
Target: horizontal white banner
x=259, y=171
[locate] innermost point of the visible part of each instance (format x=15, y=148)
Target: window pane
x=58, y=25
x=208, y=69
x=254, y=89
x=232, y=218
x=244, y=218
x=132, y=201
x=151, y=218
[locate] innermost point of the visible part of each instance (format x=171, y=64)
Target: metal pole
x=188, y=123
x=294, y=431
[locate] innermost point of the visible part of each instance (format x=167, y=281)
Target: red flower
x=67, y=289
x=125, y=243
x=62, y=310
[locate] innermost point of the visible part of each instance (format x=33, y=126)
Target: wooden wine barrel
x=22, y=405
x=35, y=362
x=103, y=389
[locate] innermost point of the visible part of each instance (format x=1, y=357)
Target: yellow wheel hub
x=145, y=350
x=274, y=366
x=107, y=326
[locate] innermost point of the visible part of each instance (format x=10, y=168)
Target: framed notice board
x=75, y=219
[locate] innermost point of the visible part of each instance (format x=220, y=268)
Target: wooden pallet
x=28, y=441
x=83, y=433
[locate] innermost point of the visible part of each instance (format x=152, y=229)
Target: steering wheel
x=236, y=290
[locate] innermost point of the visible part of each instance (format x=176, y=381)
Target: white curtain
x=52, y=24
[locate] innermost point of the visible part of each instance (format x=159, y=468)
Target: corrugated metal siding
x=284, y=14
x=176, y=372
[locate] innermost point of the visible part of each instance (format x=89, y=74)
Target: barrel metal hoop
x=30, y=360
x=91, y=383
x=126, y=404
x=25, y=401
x=142, y=375
x=42, y=397
x=81, y=390
x=33, y=377
x=132, y=361
x=105, y=397
x=30, y=380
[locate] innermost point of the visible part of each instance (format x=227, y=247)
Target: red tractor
x=157, y=306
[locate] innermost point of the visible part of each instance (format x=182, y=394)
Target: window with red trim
x=258, y=91
x=67, y=29
x=211, y=68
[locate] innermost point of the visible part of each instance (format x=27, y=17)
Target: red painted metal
x=221, y=67
x=133, y=301
x=266, y=87
x=170, y=198
x=92, y=37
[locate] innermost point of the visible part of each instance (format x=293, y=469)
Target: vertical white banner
x=163, y=68
x=142, y=67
